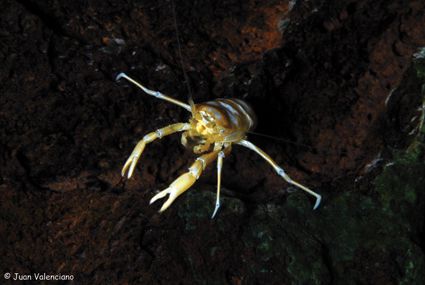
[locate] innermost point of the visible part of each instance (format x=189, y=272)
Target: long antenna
x=186, y=78
x=281, y=139
x=311, y=148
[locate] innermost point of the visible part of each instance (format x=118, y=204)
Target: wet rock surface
x=343, y=81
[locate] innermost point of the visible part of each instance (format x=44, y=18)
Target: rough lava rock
x=340, y=83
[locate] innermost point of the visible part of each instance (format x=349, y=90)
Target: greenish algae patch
x=197, y=207
x=374, y=233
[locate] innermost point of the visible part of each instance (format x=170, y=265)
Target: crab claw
x=179, y=186
x=132, y=160
x=130, y=163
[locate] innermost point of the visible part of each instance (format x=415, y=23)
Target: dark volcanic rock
x=342, y=81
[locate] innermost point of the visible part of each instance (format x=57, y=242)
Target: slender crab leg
x=219, y=167
x=156, y=94
x=221, y=155
x=280, y=170
x=131, y=162
x=185, y=181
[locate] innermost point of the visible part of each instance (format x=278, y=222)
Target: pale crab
x=212, y=130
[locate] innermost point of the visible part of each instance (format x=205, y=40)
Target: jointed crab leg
x=159, y=133
x=219, y=167
x=186, y=180
x=280, y=171
x=156, y=94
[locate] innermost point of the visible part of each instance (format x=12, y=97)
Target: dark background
x=334, y=80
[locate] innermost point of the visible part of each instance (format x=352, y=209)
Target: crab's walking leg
x=219, y=167
x=156, y=94
x=131, y=162
x=280, y=171
x=185, y=181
